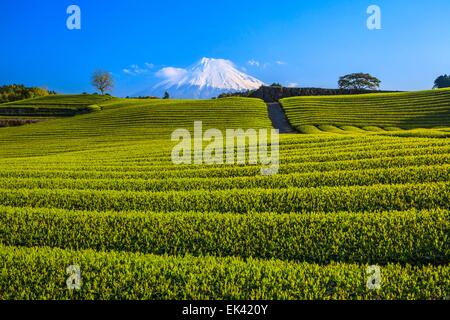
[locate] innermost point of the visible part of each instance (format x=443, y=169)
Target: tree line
x=15, y=92
x=365, y=81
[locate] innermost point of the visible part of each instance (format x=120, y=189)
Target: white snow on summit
x=206, y=79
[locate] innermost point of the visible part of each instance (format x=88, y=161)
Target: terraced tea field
x=52, y=106
x=45, y=108
x=369, y=112
x=99, y=190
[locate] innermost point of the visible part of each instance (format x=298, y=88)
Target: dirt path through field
x=279, y=119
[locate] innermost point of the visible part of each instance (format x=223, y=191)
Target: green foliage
x=442, y=82
x=365, y=237
x=10, y=93
x=370, y=112
x=132, y=120
x=166, y=95
x=40, y=273
x=359, y=81
x=52, y=106
x=326, y=199
x=100, y=190
x=411, y=174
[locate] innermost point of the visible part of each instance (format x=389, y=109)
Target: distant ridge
x=275, y=93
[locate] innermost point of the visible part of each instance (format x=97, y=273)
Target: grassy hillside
x=41, y=109
x=371, y=112
x=53, y=106
x=100, y=190
x=129, y=120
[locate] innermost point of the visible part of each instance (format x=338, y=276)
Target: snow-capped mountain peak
x=205, y=79
x=221, y=74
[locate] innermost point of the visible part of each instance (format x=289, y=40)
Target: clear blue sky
x=314, y=42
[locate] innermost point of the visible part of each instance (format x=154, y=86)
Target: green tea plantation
x=365, y=182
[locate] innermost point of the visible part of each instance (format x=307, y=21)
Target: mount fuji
x=205, y=79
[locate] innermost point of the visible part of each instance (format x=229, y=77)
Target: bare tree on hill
x=102, y=81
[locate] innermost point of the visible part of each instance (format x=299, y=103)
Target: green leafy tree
x=102, y=81
x=39, y=92
x=359, y=81
x=442, y=82
x=166, y=95
x=17, y=92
